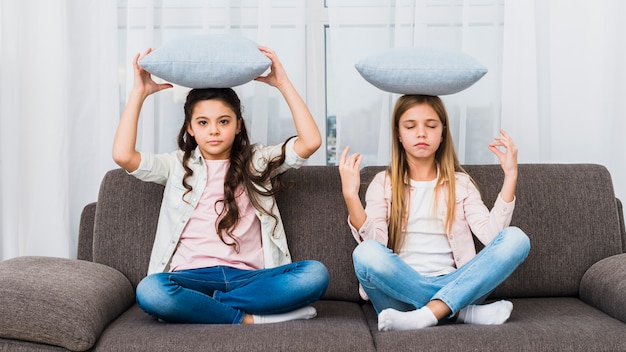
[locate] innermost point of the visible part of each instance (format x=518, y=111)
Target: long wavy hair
x=398, y=169
x=241, y=174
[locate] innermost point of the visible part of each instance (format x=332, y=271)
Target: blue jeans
x=391, y=283
x=222, y=295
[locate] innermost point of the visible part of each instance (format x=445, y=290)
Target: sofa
x=569, y=295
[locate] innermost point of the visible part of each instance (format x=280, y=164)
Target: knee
x=365, y=251
x=317, y=274
x=517, y=241
x=150, y=294
x=370, y=256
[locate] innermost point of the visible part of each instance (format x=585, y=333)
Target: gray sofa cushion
x=604, y=286
x=536, y=324
x=59, y=301
x=339, y=326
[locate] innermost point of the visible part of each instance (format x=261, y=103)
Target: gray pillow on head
x=207, y=61
x=424, y=71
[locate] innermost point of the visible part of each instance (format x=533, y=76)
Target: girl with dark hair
x=220, y=254
x=416, y=260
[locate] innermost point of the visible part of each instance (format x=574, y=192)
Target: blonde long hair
x=398, y=169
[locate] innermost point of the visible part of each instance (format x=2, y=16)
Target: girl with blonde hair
x=416, y=260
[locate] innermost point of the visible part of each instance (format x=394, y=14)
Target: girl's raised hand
x=277, y=75
x=350, y=173
x=508, y=158
x=143, y=80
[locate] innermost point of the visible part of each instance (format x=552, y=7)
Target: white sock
x=301, y=313
x=393, y=320
x=495, y=313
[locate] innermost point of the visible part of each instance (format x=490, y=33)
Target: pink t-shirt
x=200, y=246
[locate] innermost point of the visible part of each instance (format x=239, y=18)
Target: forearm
x=355, y=211
x=309, y=137
x=508, y=187
x=124, y=152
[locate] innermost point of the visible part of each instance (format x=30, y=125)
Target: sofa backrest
x=571, y=215
x=569, y=212
x=127, y=212
x=310, y=202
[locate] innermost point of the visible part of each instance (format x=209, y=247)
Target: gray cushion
x=207, y=61
x=536, y=324
x=604, y=286
x=426, y=71
x=339, y=326
x=58, y=301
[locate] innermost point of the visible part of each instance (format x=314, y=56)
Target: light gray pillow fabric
x=207, y=61
x=58, y=301
x=423, y=71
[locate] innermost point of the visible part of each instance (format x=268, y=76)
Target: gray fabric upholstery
x=339, y=326
x=85, y=230
x=126, y=217
x=563, y=209
x=567, y=296
x=315, y=220
x=604, y=286
x=622, y=222
x=60, y=301
x=536, y=324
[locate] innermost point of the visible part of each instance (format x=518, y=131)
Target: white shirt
x=426, y=247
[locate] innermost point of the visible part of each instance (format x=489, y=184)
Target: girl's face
x=420, y=132
x=214, y=126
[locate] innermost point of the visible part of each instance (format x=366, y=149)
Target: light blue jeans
x=391, y=283
x=222, y=295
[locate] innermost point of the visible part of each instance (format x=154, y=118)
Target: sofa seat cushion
x=58, y=301
x=536, y=324
x=339, y=326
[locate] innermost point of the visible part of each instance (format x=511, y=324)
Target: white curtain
x=556, y=82
x=564, y=82
x=58, y=108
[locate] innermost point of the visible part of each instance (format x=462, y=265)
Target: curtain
x=58, y=110
x=564, y=82
x=556, y=83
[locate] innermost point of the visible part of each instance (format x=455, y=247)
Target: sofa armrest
x=604, y=286
x=58, y=301
x=85, y=232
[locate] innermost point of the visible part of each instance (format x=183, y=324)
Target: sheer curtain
x=58, y=110
x=564, y=82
